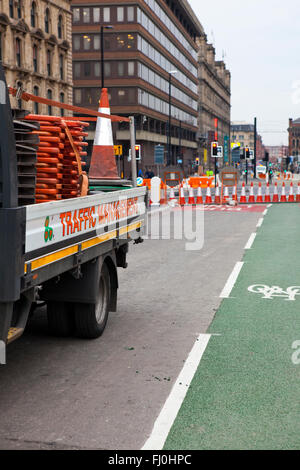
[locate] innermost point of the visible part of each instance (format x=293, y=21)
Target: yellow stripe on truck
x=65, y=252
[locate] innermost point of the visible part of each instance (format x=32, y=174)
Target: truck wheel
x=60, y=318
x=91, y=319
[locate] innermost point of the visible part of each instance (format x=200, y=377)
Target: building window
x=19, y=9
x=49, y=96
x=35, y=58
x=33, y=14
x=76, y=70
x=61, y=67
x=18, y=52
x=97, y=43
x=106, y=14
x=130, y=68
x=86, y=43
x=107, y=69
x=49, y=62
x=76, y=15
x=130, y=13
x=76, y=43
x=47, y=20
x=60, y=27
x=121, y=69
x=36, y=105
x=11, y=8
x=120, y=14
x=87, y=69
x=97, y=69
x=86, y=15
x=77, y=96
x=96, y=15
x=62, y=100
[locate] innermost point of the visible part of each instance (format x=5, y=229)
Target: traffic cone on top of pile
x=267, y=195
x=181, y=196
x=217, y=195
x=243, y=199
x=103, y=161
x=251, y=196
x=199, y=196
x=298, y=194
x=283, y=195
x=275, y=194
x=191, y=196
x=208, y=199
x=291, y=195
x=259, y=195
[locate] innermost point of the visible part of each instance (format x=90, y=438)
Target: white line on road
x=259, y=224
x=231, y=280
x=174, y=401
x=250, y=241
x=270, y=205
x=265, y=212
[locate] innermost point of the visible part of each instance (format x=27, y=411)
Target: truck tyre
x=60, y=318
x=90, y=318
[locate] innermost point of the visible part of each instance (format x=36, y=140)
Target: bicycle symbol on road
x=275, y=291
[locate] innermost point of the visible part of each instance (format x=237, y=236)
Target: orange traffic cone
x=217, y=195
x=199, y=196
x=283, y=195
x=181, y=197
x=191, y=196
x=259, y=195
x=225, y=195
x=251, y=196
x=243, y=199
x=103, y=161
x=291, y=195
x=172, y=195
x=298, y=194
x=267, y=195
x=275, y=194
x=234, y=195
x=208, y=199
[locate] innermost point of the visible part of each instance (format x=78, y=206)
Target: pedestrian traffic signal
x=214, y=149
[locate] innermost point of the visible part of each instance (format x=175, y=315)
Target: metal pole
x=169, y=124
x=102, y=56
x=246, y=171
x=255, y=137
x=215, y=172
x=133, y=155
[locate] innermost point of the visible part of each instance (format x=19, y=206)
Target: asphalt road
x=106, y=394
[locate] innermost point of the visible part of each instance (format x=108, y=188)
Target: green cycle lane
x=246, y=391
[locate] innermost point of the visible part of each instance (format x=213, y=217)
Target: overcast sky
x=261, y=40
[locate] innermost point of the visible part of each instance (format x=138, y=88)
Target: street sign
x=159, y=154
x=220, y=151
x=118, y=149
x=226, y=149
x=139, y=181
x=236, y=155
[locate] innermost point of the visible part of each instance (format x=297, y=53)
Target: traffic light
x=247, y=153
x=197, y=161
x=138, y=152
x=214, y=149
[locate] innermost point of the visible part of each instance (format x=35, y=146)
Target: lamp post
x=172, y=72
x=102, y=28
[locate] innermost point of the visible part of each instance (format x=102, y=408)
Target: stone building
x=36, y=50
x=242, y=133
x=213, y=101
x=294, y=137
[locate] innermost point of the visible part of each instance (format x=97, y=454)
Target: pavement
x=245, y=392
x=107, y=393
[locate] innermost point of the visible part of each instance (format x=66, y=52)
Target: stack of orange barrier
x=70, y=174
x=57, y=168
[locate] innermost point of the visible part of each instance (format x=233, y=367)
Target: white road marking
x=231, y=280
x=270, y=205
x=250, y=241
x=265, y=212
x=259, y=224
x=174, y=401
